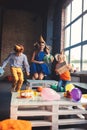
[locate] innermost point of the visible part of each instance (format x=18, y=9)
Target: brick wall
x=19, y=27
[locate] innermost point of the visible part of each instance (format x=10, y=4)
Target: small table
x=49, y=110
x=35, y=108
x=82, y=86
x=37, y=83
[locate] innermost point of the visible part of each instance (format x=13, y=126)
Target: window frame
x=82, y=43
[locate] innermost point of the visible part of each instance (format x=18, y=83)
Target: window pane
x=85, y=5
x=76, y=32
x=67, y=56
x=67, y=37
x=76, y=8
x=85, y=27
x=75, y=57
x=67, y=14
x=84, y=61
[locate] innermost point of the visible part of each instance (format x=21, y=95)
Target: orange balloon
x=39, y=89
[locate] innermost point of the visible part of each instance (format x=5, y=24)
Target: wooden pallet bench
x=51, y=111
x=36, y=83
x=82, y=86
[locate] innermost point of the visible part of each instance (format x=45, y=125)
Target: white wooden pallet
x=37, y=83
x=49, y=110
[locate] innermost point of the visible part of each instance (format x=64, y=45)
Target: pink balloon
x=49, y=94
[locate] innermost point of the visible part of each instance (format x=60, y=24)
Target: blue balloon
x=76, y=94
x=1, y=71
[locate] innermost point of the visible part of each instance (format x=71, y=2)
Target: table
x=82, y=86
x=36, y=83
x=35, y=108
x=49, y=110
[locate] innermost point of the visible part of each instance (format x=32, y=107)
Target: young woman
x=39, y=69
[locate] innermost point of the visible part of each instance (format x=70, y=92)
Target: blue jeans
x=62, y=83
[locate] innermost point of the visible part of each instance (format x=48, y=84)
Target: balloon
x=49, y=94
x=39, y=88
x=76, y=94
x=69, y=87
x=1, y=71
x=48, y=58
x=54, y=87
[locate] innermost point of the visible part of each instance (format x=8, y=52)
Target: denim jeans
x=62, y=83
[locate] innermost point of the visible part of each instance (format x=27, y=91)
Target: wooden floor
x=5, y=98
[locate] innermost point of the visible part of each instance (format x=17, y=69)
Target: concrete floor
x=5, y=98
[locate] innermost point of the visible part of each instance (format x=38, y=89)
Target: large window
x=75, y=33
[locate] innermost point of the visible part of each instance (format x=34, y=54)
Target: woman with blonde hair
x=38, y=68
